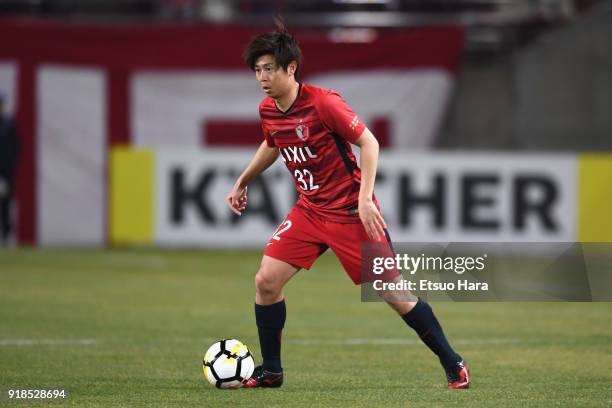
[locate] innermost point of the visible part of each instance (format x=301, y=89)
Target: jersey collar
x=293, y=103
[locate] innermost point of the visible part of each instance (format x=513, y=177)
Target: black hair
x=279, y=43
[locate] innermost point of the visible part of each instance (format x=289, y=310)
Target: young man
x=311, y=128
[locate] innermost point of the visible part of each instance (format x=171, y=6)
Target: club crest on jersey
x=302, y=131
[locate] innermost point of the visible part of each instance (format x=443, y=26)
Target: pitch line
x=47, y=342
x=396, y=341
x=352, y=341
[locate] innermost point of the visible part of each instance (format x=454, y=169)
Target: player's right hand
x=237, y=199
x=372, y=220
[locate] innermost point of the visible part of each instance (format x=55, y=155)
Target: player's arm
x=264, y=157
x=368, y=213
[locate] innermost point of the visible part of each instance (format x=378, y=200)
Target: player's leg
x=421, y=318
x=415, y=312
x=270, y=315
x=270, y=310
x=270, y=280
x=291, y=248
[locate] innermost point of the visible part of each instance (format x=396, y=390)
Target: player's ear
x=291, y=68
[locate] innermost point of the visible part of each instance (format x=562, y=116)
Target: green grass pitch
x=128, y=328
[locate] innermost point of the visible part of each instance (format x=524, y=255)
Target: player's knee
x=265, y=282
x=401, y=307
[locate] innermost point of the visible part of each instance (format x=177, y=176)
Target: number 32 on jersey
x=306, y=179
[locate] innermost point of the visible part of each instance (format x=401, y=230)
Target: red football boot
x=264, y=378
x=459, y=376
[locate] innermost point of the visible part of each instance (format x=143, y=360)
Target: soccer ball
x=228, y=364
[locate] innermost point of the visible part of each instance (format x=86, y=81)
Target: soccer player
x=311, y=128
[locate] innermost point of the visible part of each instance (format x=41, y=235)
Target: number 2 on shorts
x=282, y=228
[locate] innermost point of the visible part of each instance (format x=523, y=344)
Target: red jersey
x=313, y=138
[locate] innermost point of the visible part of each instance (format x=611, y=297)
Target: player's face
x=272, y=78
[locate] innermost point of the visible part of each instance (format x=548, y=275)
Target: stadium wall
x=79, y=89
x=553, y=93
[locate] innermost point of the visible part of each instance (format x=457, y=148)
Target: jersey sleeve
x=267, y=136
x=338, y=117
x=264, y=129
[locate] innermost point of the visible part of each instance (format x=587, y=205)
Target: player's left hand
x=372, y=220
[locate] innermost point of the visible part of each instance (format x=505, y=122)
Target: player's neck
x=285, y=101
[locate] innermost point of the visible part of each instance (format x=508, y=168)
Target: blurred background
x=125, y=122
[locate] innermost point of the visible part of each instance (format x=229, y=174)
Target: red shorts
x=302, y=237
